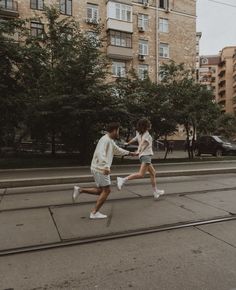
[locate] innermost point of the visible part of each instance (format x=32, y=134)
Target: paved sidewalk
x=128, y=211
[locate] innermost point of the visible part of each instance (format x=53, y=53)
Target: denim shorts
x=100, y=179
x=147, y=159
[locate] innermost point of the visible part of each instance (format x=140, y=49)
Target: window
x=92, y=12
x=123, y=12
x=164, y=4
x=66, y=7
x=37, y=29
x=164, y=25
x=143, y=71
x=164, y=50
x=143, y=21
x=118, y=69
x=143, y=47
x=118, y=38
x=37, y=4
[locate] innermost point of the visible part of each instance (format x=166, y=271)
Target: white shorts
x=100, y=179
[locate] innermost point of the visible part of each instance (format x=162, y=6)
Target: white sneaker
x=156, y=194
x=120, y=182
x=160, y=191
x=97, y=215
x=75, y=193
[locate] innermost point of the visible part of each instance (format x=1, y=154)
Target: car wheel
x=219, y=153
x=197, y=152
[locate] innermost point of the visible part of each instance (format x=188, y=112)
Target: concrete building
x=141, y=34
x=218, y=72
x=227, y=73
x=208, y=72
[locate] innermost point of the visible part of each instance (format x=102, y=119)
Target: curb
x=26, y=182
x=114, y=166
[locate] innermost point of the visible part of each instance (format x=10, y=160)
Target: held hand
x=133, y=154
x=106, y=171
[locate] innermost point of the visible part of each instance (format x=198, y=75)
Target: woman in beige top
x=145, y=153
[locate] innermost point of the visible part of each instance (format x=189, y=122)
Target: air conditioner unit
x=141, y=28
x=145, y=4
x=141, y=57
x=91, y=20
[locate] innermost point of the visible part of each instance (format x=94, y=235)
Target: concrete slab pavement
x=177, y=260
x=220, y=200
x=25, y=228
x=55, y=195
x=224, y=231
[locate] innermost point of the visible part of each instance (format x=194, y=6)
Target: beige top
x=104, y=153
x=145, y=143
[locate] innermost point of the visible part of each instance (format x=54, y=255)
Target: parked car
x=215, y=145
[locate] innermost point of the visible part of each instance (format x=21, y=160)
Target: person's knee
x=107, y=191
x=141, y=174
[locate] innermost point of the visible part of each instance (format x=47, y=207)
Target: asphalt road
x=196, y=258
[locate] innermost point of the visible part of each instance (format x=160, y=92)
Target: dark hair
x=143, y=125
x=113, y=126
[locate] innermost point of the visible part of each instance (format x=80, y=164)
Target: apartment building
x=140, y=34
x=208, y=73
x=218, y=72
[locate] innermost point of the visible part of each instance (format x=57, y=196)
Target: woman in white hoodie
x=145, y=153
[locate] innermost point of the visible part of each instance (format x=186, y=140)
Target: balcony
x=222, y=73
x=9, y=8
x=222, y=92
x=115, y=24
x=118, y=52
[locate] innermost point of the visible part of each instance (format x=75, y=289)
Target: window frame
x=66, y=7
x=142, y=22
x=37, y=5
x=118, y=65
x=93, y=7
x=122, y=11
x=36, y=28
x=164, y=4
x=120, y=36
x=163, y=23
x=164, y=47
x=143, y=45
x=141, y=71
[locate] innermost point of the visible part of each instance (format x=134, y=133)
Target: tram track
x=115, y=236
x=114, y=200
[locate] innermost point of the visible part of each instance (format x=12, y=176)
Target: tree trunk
x=53, y=143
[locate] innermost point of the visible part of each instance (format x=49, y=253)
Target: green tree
x=193, y=105
x=64, y=74
x=226, y=126
x=12, y=101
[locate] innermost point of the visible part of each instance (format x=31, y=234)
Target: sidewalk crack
x=55, y=224
x=202, y=202
x=217, y=238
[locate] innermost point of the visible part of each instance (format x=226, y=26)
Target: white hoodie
x=104, y=153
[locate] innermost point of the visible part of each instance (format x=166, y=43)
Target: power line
x=223, y=3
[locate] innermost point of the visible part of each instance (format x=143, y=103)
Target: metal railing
x=8, y=5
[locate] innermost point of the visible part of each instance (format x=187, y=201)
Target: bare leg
x=143, y=169
x=93, y=191
x=102, y=198
x=152, y=172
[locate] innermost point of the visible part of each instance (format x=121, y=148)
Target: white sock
x=125, y=179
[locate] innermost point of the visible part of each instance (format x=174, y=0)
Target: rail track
x=115, y=236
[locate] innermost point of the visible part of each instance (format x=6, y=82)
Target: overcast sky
x=217, y=24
